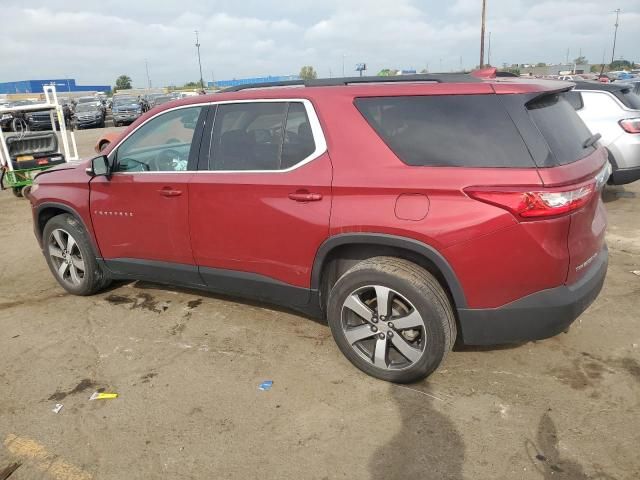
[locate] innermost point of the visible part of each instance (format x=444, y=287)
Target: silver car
x=613, y=111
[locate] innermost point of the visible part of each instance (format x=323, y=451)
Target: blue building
x=62, y=85
x=250, y=81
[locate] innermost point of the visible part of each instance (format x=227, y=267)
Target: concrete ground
x=186, y=366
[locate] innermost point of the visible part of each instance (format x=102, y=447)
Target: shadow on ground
x=428, y=446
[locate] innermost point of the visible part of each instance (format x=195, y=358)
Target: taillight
x=532, y=204
x=630, y=125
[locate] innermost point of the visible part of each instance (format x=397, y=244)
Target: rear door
x=259, y=205
x=140, y=213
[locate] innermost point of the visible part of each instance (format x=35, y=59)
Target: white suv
x=613, y=111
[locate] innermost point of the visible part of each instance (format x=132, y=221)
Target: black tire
x=116, y=124
x=17, y=191
x=25, y=191
x=408, y=282
x=93, y=279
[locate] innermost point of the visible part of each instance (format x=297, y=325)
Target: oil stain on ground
x=84, y=384
x=142, y=301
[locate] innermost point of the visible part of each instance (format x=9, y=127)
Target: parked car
x=7, y=116
x=41, y=120
x=409, y=214
x=613, y=111
x=159, y=100
x=125, y=110
x=89, y=115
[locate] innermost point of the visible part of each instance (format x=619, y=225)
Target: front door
x=140, y=213
x=259, y=205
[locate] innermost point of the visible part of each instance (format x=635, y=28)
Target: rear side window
x=260, y=136
x=447, y=130
x=561, y=127
x=628, y=98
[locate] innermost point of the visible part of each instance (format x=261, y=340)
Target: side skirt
x=226, y=282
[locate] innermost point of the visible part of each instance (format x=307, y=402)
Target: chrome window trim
x=314, y=122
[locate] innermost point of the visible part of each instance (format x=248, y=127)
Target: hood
x=74, y=165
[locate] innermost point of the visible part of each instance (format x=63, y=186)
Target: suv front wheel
x=70, y=256
x=391, y=319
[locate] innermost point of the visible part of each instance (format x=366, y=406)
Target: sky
x=95, y=42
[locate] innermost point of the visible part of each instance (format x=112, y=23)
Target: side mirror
x=99, y=167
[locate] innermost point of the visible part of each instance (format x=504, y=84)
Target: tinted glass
x=561, y=127
x=162, y=144
x=628, y=98
x=447, y=130
x=260, y=136
x=575, y=99
x=298, y=138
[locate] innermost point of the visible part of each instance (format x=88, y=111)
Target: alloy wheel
x=383, y=327
x=66, y=257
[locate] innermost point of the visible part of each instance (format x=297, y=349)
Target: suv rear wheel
x=391, y=319
x=70, y=256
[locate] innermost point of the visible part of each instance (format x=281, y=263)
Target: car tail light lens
x=630, y=125
x=532, y=204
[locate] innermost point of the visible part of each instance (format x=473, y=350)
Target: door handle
x=305, y=196
x=169, y=192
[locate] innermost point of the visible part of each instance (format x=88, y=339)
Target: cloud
x=97, y=41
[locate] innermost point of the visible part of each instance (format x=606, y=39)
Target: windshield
x=87, y=107
x=124, y=101
x=86, y=99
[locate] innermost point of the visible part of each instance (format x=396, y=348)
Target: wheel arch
x=47, y=211
x=338, y=253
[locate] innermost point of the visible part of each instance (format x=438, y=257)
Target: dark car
x=7, y=116
x=89, y=115
x=125, y=110
x=409, y=214
x=41, y=120
x=159, y=100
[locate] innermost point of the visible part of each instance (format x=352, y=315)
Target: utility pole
x=567, y=60
x=615, y=34
x=199, y=62
x=146, y=65
x=343, y=57
x=484, y=12
x=489, y=51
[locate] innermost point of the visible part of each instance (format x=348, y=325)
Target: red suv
x=409, y=213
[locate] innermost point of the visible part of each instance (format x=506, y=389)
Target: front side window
x=260, y=136
x=162, y=144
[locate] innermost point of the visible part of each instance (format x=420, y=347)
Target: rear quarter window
x=447, y=130
x=561, y=127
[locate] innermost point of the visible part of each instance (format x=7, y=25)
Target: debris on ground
x=57, y=408
x=266, y=385
x=636, y=272
x=102, y=396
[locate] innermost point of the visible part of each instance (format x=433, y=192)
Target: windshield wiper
x=591, y=140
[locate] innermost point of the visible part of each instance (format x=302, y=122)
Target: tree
x=581, y=60
x=541, y=64
x=308, y=73
x=192, y=84
x=387, y=72
x=620, y=65
x=123, y=82
x=597, y=68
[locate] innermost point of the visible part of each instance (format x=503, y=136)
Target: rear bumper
x=539, y=315
x=622, y=176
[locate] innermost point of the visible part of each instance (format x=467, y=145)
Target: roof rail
x=333, y=82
